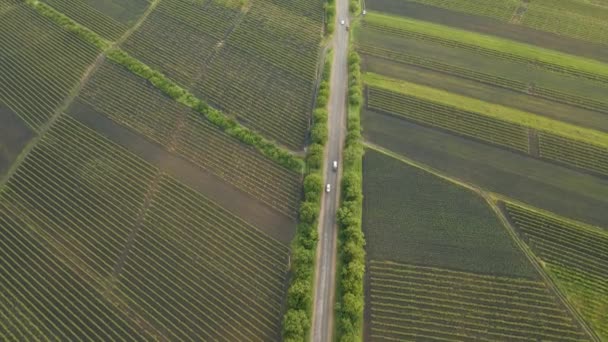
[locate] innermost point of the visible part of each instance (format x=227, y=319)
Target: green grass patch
x=506, y=114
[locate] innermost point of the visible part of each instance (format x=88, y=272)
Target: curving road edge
x=325, y=274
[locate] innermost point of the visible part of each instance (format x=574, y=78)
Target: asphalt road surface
x=325, y=275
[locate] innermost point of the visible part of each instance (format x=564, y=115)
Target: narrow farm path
x=325, y=274
x=492, y=200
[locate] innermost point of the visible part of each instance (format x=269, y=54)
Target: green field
x=411, y=302
x=130, y=101
x=413, y=217
x=87, y=226
x=40, y=64
x=574, y=254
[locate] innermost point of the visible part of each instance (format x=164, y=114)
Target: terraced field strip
x=498, y=81
x=559, y=141
x=576, y=19
x=416, y=302
x=501, y=10
x=486, y=45
x=88, y=16
x=587, y=156
x=574, y=254
x=31, y=88
x=458, y=121
x=130, y=101
x=192, y=270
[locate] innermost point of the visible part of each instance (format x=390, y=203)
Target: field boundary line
x=491, y=199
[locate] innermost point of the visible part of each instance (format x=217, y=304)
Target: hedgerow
x=350, y=299
x=297, y=319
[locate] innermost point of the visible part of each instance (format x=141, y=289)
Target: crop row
x=501, y=10
x=130, y=101
x=404, y=307
x=482, y=50
x=39, y=63
x=138, y=244
x=522, y=87
x=88, y=16
x=580, y=154
x=463, y=122
x=576, y=256
x=267, y=99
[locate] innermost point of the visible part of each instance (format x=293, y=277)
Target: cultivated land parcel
x=161, y=170
x=484, y=188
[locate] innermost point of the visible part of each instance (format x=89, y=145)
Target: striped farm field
x=587, y=156
x=574, y=254
x=131, y=101
x=501, y=10
x=99, y=245
x=456, y=120
x=410, y=302
x=257, y=63
x=40, y=63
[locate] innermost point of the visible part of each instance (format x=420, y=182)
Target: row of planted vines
x=416, y=302
x=132, y=102
x=40, y=63
x=449, y=118
x=99, y=245
x=576, y=257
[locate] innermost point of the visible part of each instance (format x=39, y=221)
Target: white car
x=328, y=187
x=335, y=165
x=342, y=22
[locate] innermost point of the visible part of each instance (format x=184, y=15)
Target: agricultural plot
x=544, y=185
x=557, y=77
x=586, y=156
x=132, y=102
x=411, y=216
x=110, y=19
x=98, y=244
x=40, y=63
x=14, y=135
x=409, y=302
x=574, y=254
x=569, y=18
x=257, y=63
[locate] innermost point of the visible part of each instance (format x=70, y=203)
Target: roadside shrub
x=350, y=302
x=296, y=322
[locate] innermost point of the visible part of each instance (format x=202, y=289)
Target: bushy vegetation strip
x=171, y=89
x=350, y=300
x=330, y=16
x=68, y=24
x=297, y=320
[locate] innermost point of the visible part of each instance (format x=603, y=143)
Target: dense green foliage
x=330, y=16
x=230, y=126
x=297, y=320
x=349, y=308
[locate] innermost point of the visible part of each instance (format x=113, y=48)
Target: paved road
x=325, y=281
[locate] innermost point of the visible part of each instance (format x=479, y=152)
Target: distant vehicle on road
x=328, y=187
x=342, y=22
x=335, y=165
